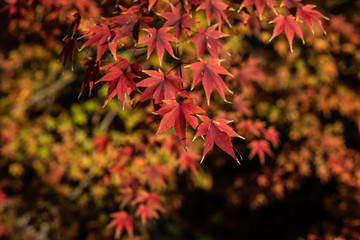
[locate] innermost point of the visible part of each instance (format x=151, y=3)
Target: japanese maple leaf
x=215, y=7
x=218, y=132
x=92, y=75
x=3, y=196
x=272, y=136
x=176, y=114
x=159, y=39
x=68, y=52
x=150, y=199
x=188, y=160
x=145, y=212
x=121, y=63
x=290, y=27
x=208, y=73
x=255, y=128
x=151, y=4
x=310, y=16
x=260, y=148
x=250, y=70
x=259, y=4
x=70, y=33
x=120, y=84
x=160, y=86
x=103, y=37
x=208, y=40
x=129, y=22
x=154, y=176
x=291, y=4
x=242, y=106
x=178, y=22
x=122, y=220
x=100, y=143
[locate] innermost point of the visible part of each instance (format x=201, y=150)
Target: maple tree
x=275, y=106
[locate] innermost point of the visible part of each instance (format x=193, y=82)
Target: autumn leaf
x=154, y=176
x=122, y=220
x=151, y=199
x=103, y=37
x=218, y=132
x=254, y=127
x=259, y=4
x=91, y=76
x=123, y=65
x=149, y=205
x=208, y=74
x=260, y=148
x=272, y=136
x=145, y=212
x=208, y=40
x=188, y=160
x=151, y=4
x=250, y=70
x=311, y=16
x=68, y=52
x=159, y=39
x=176, y=114
x=291, y=4
x=178, y=22
x=217, y=8
x=290, y=27
x=160, y=86
x=3, y=196
x=120, y=84
x=71, y=31
x=100, y=143
x=129, y=23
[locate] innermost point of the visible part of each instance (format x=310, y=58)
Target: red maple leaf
x=176, y=114
x=122, y=220
x=92, y=75
x=154, y=176
x=174, y=19
x=259, y=4
x=242, y=106
x=215, y=7
x=3, y=196
x=151, y=199
x=100, y=143
x=103, y=37
x=254, y=128
x=290, y=27
x=68, y=52
x=291, y=4
x=250, y=70
x=160, y=86
x=124, y=65
x=120, y=84
x=151, y=4
x=260, y=148
x=71, y=31
x=208, y=73
x=208, y=40
x=188, y=160
x=145, y=212
x=272, y=136
x=129, y=22
x=218, y=132
x=159, y=39
x=310, y=16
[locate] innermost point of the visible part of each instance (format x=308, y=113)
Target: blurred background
x=67, y=164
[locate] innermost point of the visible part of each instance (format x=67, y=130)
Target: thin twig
x=44, y=93
x=109, y=117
